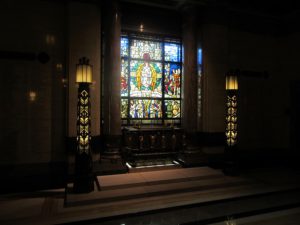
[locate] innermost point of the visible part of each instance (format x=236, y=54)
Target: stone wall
x=32, y=115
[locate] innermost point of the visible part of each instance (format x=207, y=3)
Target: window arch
x=151, y=77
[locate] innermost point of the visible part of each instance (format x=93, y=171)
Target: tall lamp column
x=84, y=177
x=231, y=133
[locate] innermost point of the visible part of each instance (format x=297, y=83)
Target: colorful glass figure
x=145, y=108
x=124, y=77
x=172, y=80
x=124, y=108
x=145, y=78
x=172, y=108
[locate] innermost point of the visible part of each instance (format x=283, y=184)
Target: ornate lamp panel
x=83, y=120
x=231, y=119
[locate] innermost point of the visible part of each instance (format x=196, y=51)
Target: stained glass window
x=199, y=56
x=145, y=79
x=151, y=74
x=124, y=77
x=172, y=80
x=199, y=59
x=146, y=50
x=145, y=108
x=124, y=108
x=172, y=108
x=172, y=52
x=124, y=46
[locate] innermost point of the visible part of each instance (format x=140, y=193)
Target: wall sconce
x=59, y=67
x=32, y=96
x=141, y=27
x=84, y=71
x=84, y=178
x=50, y=39
x=64, y=81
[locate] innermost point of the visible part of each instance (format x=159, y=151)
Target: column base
x=84, y=176
x=230, y=168
x=231, y=165
x=84, y=184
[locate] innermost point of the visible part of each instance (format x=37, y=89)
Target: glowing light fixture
x=232, y=82
x=64, y=82
x=32, y=96
x=231, y=104
x=84, y=71
x=50, y=39
x=84, y=178
x=59, y=67
x=231, y=132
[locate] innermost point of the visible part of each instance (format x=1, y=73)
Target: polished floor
x=199, y=195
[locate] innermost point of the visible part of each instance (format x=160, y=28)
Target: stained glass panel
x=145, y=108
x=124, y=77
x=172, y=80
x=145, y=79
x=172, y=52
x=124, y=46
x=172, y=108
x=199, y=56
x=150, y=79
x=146, y=50
x=124, y=108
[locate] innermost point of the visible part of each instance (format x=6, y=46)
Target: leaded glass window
x=199, y=59
x=151, y=75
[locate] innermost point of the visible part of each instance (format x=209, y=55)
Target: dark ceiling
x=272, y=8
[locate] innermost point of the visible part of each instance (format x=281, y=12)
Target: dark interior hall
x=159, y=100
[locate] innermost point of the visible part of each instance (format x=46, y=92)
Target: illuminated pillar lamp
x=84, y=177
x=231, y=114
x=230, y=167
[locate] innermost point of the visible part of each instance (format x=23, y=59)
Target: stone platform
x=199, y=195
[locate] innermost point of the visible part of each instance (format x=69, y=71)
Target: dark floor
x=199, y=195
